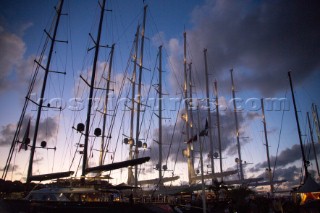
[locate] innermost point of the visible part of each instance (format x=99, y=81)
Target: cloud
x=119, y=77
x=38, y=160
x=175, y=63
x=11, y=168
x=23, y=28
x=7, y=133
x=254, y=115
x=12, y=50
x=286, y=157
x=22, y=70
x=14, y=67
x=263, y=39
x=47, y=130
x=177, y=136
x=158, y=39
x=81, y=89
x=291, y=174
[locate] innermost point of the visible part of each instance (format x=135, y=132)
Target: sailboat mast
x=191, y=172
x=204, y=205
x=208, y=112
x=267, y=145
x=218, y=125
x=313, y=146
x=316, y=120
x=237, y=126
x=94, y=68
x=305, y=164
x=139, y=93
x=160, y=114
x=190, y=115
x=103, y=138
x=133, y=82
x=53, y=40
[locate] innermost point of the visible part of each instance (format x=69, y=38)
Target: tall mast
x=313, y=146
x=103, y=138
x=133, y=81
x=237, y=126
x=160, y=114
x=316, y=120
x=190, y=118
x=139, y=93
x=218, y=125
x=94, y=68
x=53, y=40
x=305, y=164
x=191, y=172
x=267, y=145
x=204, y=205
x=208, y=112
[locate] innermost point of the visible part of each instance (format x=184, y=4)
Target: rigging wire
x=79, y=89
x=67, y=131
x=179, y=86
x=279, y=139
x=78, y=166
x=118, y=103
x=166, y=52
x=175, y=162
x=122, y=119
x=147, y=98
x=126, y=28
x=173, y=133
x=30, y=89
x=78, y=144
x=98, y=104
